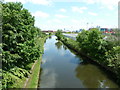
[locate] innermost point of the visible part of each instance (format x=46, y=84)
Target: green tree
x=59, y=34
x=92, y=43
x=18, y=42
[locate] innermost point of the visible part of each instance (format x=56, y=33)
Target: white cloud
x=63, y=10
x=41, y=2
x=77, y=9
x=75, y=21
x=57, y=21
x=89, y=1
x=22, y=1
x=92, y=13
x=60, y=16
x=54, y=21
x=110, y=4
x=100, y=20
x=40, y=14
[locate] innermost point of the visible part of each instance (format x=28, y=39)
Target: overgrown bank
x=92, y=45
x=22, y=45
x=32, y=81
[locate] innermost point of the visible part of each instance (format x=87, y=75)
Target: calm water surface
x=61, y=68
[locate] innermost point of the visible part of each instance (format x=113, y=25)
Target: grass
x=34, y=77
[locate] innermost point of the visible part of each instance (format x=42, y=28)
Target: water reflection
x=63, y=68
x=50, y=37
x=65, y=48
x=58, y=45
x=92, y=77
x=49, y=75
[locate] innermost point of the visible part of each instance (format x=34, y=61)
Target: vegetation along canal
x=61, y=68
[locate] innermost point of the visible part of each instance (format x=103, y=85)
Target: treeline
x=19, y=47
x=94, y=45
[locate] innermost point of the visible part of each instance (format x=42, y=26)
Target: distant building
x=107, y=30
x=104, y=30
x=77, y=31
x=80, y=30
x=92, y=28
x=48, y=31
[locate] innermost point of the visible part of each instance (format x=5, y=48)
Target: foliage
x=18, y=47
x=59, y=34
x=50, y=33
x=113, y=60
x=103, y=51
x=92, y=43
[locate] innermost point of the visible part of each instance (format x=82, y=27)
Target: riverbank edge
x=32, y=81
x=77, y=50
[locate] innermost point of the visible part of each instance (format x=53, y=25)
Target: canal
x=61, y=68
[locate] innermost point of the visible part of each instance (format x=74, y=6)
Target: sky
x=72, y=14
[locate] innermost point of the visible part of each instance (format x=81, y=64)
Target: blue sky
x=72, y=14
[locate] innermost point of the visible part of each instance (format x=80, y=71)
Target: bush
x=59, y=34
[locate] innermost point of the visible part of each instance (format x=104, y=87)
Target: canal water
x=61, y=68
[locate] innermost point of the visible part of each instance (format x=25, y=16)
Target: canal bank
x=100, y=51
x=32, y=81
x=61, y=68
